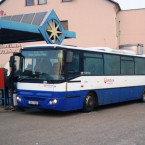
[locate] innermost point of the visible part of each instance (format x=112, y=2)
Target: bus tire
x=89, y=102
x=143, y=96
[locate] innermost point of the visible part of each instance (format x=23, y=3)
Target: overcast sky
x=131, y=4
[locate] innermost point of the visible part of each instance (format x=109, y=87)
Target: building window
x=42, y=2
x=29, y=2
x=66, y=0
x=65, y=24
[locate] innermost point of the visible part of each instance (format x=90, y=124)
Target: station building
x=96, y=23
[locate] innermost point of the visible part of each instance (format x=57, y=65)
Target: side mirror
x=69, y=56
x=11, y=61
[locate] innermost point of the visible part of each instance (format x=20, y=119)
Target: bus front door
x=73, y=95
x=73, y=83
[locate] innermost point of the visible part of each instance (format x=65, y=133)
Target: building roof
x=112, y=1
x=40, y=26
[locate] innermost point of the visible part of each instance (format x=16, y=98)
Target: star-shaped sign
x=54, y=31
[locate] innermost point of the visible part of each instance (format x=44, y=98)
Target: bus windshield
x=42, y=64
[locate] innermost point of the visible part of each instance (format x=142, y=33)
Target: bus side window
x=92, y=64
x=140, y=66
x=127, y=65
x=111, y=64
x=73, y=67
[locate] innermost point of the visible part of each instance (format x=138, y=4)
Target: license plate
x=33, y=103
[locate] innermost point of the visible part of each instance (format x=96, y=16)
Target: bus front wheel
x=89, y=103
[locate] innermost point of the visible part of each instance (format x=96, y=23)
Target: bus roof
x=93, y=49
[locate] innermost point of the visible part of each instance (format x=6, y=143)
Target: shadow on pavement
x=42, y=112
x=116, y=105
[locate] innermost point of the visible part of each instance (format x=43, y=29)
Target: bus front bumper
x=42, y=100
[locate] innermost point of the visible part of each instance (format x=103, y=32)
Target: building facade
x=96, y=22
x=132, y=26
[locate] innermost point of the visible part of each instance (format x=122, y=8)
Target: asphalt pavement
x=121, y=124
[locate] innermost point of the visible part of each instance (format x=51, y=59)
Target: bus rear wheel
x=89, y=103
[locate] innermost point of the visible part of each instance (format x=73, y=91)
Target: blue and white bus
x=66, y=78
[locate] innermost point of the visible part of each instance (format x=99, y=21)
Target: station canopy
x=41, y=26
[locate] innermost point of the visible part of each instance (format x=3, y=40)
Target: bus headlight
x=18, y=98
x=54, y=101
